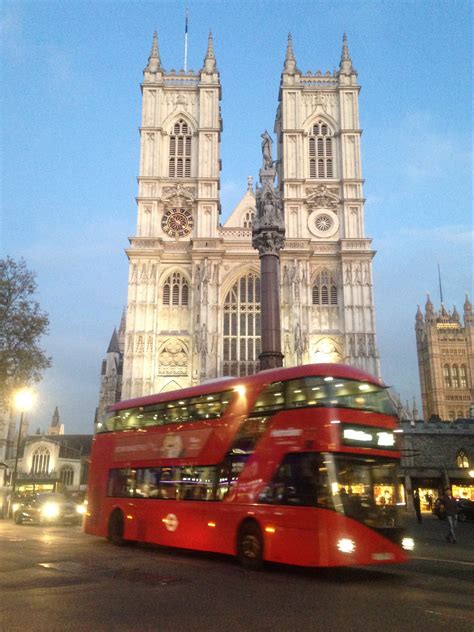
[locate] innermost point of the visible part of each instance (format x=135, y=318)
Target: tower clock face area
x=177, y=222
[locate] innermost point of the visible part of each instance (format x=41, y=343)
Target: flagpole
x=186, y=43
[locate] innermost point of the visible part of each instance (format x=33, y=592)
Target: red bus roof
x=262, y=378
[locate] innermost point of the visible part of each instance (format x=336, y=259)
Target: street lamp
x=23, y=401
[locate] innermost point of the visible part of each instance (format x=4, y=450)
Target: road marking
x=436, y=559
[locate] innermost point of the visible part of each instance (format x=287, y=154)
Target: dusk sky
x=71, y=104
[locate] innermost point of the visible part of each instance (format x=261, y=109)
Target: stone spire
x=468, y=316
x=55, y=418
x=419, y=315
x=429, y=309
x=345, y=65
x=209, y=59
x=114, y=346
x=455, y=315
x=290, y=61
x=154, y=62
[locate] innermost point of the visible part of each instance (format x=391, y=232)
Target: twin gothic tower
x=193, y=309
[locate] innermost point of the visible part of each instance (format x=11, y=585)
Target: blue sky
x=70, y=114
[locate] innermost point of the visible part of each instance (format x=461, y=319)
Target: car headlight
x=81, y=509
x=50, y=510
x=15, y=507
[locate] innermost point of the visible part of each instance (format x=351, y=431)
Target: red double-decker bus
x=295, y=465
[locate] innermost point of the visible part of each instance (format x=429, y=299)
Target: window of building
x=248, y=218
x=324, y=291
x=41, y=459
x=447, y=376
x=455, y=376
x=321, y=154
x=66, y=475
x=180, y=151
x=462, y=376
x=462, y=460
x=176, y=290
x=242, y=327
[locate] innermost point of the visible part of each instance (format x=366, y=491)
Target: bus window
x=324, y=391
x=147, y=482
x=249, y=433
x=168, y=488
x=121, y=483
x=198, y=483
x=301, y=479
x=228, y=474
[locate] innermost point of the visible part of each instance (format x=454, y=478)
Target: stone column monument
x=268, y=236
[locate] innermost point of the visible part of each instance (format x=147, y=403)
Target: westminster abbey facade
x=193, y=307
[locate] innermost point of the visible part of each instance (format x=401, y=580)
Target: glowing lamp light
x=23, y=399
x=471, y=473
x=240, y=389
x=270, y=529
x=346, y=545
x=211, y=524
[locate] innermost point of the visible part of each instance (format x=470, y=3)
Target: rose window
x=323, y=222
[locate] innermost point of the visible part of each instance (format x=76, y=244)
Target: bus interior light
x=328, y=379
x=335, y=421
x=364, y=387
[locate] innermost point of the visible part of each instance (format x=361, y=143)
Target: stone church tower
x=193, y=308
x=445, y=351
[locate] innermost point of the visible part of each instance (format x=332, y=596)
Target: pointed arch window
x=175, y=290
x=241, y=327
x=324, y=290
x=462, y=376
x=321, y=151
x=179, y=165
x=66, y=475
x=462, y=460
x=447, y=376
x=455, y=376
x=41, y=460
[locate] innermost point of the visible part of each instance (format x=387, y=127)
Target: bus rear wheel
x=250, y=546
x=116, y=528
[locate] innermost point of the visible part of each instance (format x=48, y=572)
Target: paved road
x=59, y=579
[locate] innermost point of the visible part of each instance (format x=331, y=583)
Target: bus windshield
x=363, y=488
x=325, y=391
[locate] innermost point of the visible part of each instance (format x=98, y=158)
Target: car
x=466, y=509
x=48, y=509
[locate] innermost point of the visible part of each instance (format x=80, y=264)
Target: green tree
x=22, y=324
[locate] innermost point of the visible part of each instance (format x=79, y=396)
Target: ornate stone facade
x=446, y=362
x=193, y=308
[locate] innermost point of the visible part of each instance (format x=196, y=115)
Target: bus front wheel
x=116, y=528
x=250, y=546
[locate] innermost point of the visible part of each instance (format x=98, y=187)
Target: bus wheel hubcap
x=251, y=546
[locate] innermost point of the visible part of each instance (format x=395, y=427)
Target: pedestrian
x=450, y=507
x=417, y=505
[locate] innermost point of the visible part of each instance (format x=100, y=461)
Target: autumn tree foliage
x=22, y=324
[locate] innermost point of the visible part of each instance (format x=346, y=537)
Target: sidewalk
x=430, y=539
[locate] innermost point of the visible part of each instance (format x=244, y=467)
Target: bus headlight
x=81, y=509
x=408, y=544
x=50, y=510
x=345, y=545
